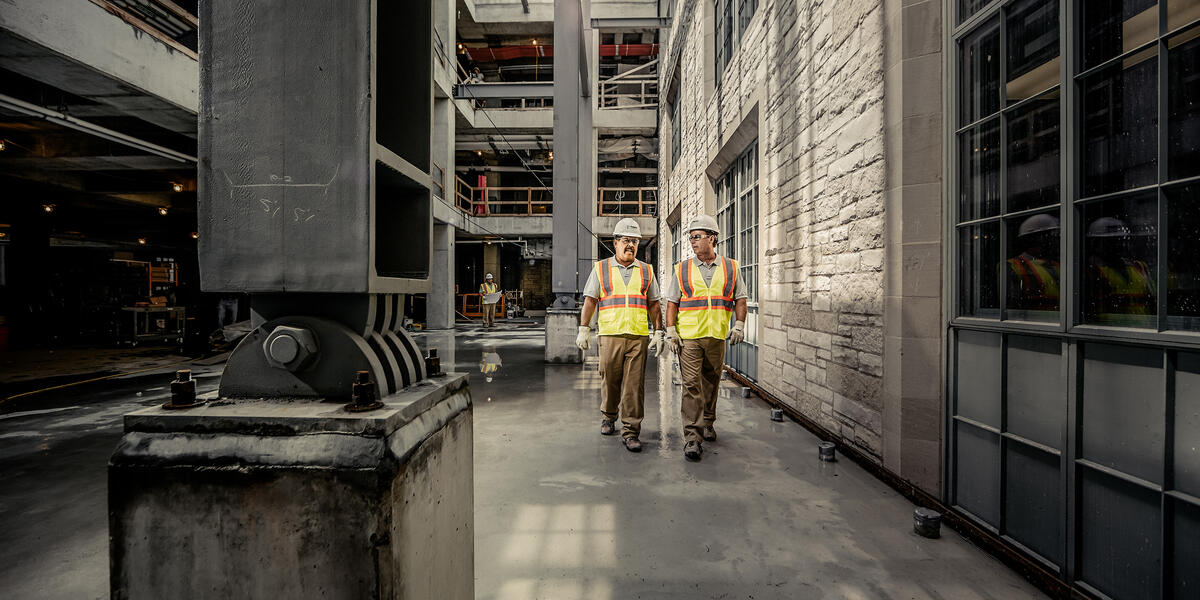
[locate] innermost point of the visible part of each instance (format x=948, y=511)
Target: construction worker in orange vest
x=1033, y=275
x=626, y=294
x=706, y=293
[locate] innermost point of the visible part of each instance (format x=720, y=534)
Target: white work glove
x=673, y=341
x=583, y=340
x=656, y=342
x=738, y=333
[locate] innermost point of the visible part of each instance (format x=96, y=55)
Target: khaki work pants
x=489, y=315
x=700, y=363
x=623, y=370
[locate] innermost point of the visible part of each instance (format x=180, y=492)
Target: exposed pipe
x=66, y=120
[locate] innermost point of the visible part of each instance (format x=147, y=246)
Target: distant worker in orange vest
x=706, y=294
x=624, y=290
x=489, y=308
x=1033, y=275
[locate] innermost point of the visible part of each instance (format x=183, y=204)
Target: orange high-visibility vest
x=623, y=307
x=705, y=309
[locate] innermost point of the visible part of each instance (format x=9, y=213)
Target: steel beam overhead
x=523, y=89
x=33, y=110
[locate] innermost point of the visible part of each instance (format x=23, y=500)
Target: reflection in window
x=1120, y=249
x=1033, y=154
x=979, y=264
x=980, y=94
x=1182, y=12
x=1114, y=27
x=1183, y=106
x=979, y=185
x=1183, y=258
x=1033, y=268
x=1120, y=126
x=1032, y=42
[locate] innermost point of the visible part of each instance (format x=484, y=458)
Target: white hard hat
x=703, y=222
x=1038, y=224
x=488, y=276
x=627, y=228
x=1108, y=227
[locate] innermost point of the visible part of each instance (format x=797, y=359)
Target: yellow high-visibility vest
x=488, y=288
x=705, y=310
x=623, y=307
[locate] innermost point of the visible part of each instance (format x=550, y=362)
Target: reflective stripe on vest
x=624, y=309
x=705, y=310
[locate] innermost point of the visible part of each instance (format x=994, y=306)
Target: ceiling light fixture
x=177, y=187
x=142, y=241
x=2, y=146
x=195, y=235
x=48, y=208
x=162, y=210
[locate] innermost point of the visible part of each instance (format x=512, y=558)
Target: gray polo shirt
x=591, y=289
x=706, y=271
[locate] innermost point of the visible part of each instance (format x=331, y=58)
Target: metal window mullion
x=1069, y=143
x=1166, y=513
x=1071, y=447
x=1163, y=149
x=1002, y=522
x=1002, y=271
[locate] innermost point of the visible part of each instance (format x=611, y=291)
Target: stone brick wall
x=815, y=72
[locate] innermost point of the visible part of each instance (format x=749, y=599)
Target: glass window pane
x=1114, y=27
x=966, y=8
x=1120, y=250
x=1032, y=41
x=1182, y=12
x=1183, y=258
x=1120, y=126
x=1033, y=267
x=979, y=266
x=1033, y=154
x=979, y=171
x=980, y=91
x=1183, y=105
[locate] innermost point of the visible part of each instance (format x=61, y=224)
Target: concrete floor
x=562, y=512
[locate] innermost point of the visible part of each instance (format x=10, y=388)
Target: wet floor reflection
x=489, y=364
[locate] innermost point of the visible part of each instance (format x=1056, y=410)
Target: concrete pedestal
x=270, y=498
x=562, y=325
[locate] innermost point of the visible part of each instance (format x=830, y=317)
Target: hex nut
x=290, y=348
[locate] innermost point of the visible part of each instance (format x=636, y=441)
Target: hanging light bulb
x=176, y=186
x=195, y=235
x=142, y=241
x=162, y=210
x=2, y=145
x=48, y=208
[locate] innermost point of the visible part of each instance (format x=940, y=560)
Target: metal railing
x=633, y=89
x=485, y=201
x=627, y=201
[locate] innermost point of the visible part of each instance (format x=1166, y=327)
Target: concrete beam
x=631, y=23
x=81, y=48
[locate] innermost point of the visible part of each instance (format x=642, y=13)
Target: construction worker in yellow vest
x=489, y=308
x=626, y=294
x=706, y=293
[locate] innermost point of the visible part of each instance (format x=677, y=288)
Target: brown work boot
x=606, y=427
x=633, y=445
x=692, y=450
x=709, y=434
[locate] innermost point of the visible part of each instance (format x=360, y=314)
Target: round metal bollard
x=825, y=451
x=927, y=522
